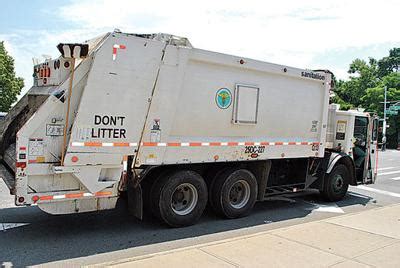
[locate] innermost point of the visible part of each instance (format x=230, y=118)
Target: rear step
x=7, y=177
x=290, y=188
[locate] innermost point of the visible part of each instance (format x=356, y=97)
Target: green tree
x=365, y=88
x=363, y=75
x=10, y=85
x=389, y=64
x=373, y=97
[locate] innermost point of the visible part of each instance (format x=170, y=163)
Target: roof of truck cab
x=353, y=112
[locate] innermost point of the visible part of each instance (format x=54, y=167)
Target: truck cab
x=354, y=133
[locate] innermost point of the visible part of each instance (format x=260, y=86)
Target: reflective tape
x=115, y=47
x=187, y=144
x=69, y=196
x=103, y=144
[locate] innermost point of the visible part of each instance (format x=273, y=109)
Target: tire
x=336, y=184
x=234, y=193
x=179, y=198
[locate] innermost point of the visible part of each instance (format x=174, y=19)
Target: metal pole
x=384, y=116
x=71, y=80
x=384, y=122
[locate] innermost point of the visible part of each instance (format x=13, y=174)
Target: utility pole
x=384, y=141
x=384, y=116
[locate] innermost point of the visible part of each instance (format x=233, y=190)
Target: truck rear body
x=154, y=100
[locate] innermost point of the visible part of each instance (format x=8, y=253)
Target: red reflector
x=74, y=159
x=20, y=164
x=35, y=198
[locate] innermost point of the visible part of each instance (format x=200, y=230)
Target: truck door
x=361, y=148
x=373, y=133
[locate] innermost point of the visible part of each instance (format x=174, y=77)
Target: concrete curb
x=243, y=237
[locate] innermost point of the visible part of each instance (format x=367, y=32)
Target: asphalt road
x=29, y=236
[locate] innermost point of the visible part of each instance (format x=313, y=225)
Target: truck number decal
x=254, y=149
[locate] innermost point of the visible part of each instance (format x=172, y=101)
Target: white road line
x=389, y=173
x=366, y=188
x=385, y=168
x=395, y=179
x=6, y=226
x=331, y=208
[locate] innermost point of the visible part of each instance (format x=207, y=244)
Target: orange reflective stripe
x=185, y=144
x=103, y=193
x=149, y=143
x=215, y=144
x=173, y=144
x=121, y=144
x=46, y=197
x=74, y=195
x=195, y=144
x=69, y=196
x=93, y=144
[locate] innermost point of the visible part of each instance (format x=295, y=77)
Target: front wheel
x=336, y=184
x=180, y=198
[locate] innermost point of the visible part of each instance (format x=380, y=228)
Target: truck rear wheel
x=336, y=184
x=233, y=193
x=179, y=198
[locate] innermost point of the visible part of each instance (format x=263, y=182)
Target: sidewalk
x=365, y=239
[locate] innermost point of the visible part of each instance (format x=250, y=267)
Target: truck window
x=361, y=129
x=375, y=129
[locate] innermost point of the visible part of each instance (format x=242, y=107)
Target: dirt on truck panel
x=170, y=124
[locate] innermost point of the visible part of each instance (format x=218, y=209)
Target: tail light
x=20, y=164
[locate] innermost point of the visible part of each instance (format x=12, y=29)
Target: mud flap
x=135, y=201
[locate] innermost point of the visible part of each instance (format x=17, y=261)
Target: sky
x=306, y=34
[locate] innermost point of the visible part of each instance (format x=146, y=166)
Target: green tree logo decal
x=223, y=98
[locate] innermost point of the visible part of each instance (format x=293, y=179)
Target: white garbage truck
x=170, y=127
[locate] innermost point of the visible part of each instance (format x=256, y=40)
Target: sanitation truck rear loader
x=176, y=127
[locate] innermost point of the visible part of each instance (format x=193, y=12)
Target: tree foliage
x=365, y=88
x=389, y=64
x=10, y=85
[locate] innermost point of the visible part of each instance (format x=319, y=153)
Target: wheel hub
x=184, y=199
x=338, y=182
x=239, y=194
